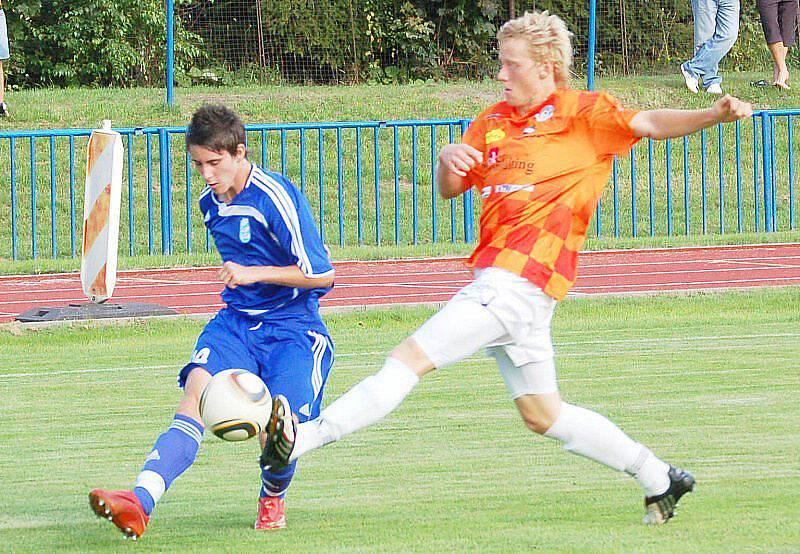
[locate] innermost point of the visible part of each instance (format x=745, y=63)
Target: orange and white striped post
x=101, y=213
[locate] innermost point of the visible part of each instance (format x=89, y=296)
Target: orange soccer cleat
x=271, y=514
x=121, y=508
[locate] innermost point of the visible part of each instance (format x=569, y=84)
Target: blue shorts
x=292, y=359
x=4, y=53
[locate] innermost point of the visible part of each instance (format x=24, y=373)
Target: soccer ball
x=235, y=405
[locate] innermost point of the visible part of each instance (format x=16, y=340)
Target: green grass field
x=708, y=381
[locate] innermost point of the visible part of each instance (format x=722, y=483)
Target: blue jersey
x=268, y=223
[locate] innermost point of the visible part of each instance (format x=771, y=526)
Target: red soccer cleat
x=271, y=514
x=122, y=508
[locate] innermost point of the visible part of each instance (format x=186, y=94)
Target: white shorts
x=509, y=316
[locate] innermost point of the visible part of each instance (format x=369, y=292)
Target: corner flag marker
x=100, y=239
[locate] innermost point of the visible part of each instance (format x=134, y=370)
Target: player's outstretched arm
x=663, y=124
x=233, y=275
x=455, y=161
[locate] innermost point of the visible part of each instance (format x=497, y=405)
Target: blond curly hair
x=548, y=40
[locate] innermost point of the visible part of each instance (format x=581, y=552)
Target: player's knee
x=538, y=423
x=539, y=412
x=410, y=354
x=196, y=381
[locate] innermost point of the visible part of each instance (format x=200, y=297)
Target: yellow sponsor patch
x=495, y=135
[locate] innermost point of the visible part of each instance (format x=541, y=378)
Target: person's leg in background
x=768, y=11
x=787, y=22
x=780, y=72
x=4, y=55
x=705, y=20
x=705, y=62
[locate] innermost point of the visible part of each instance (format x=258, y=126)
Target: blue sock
x=172, y=454
x=275, y=483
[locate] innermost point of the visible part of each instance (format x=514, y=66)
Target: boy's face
x=223, y=172
x=525, y=82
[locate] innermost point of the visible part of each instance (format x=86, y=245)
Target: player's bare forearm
x=233, y=275
x=663, y=124
x=448, y=183
x=455, y=162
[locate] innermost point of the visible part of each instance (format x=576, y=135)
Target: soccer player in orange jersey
x=540, y=160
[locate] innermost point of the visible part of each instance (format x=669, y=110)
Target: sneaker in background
x=691, y=82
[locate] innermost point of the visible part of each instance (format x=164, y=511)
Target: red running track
x=619, y=272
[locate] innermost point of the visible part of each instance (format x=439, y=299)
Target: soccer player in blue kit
x=275, y=268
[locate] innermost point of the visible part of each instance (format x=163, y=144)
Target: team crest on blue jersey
x=244, y=229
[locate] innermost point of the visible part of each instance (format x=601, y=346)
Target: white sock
x=652, y=475
x=593, y=436
x=367, y=402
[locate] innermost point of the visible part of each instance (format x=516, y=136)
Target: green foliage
x=464, y=33
x=90, y=42
x=374, y=40
x=407, y=40
x=225, y=42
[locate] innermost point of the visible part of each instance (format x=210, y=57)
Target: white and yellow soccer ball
x=235, y=405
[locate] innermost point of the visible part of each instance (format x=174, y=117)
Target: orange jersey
x=541, y=178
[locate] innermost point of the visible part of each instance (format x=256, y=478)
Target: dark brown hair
x=215, y=127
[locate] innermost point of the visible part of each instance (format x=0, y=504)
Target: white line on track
x=687, y=271
x=409, y=295
x=758, y=264
x=686, y=286
x=680, y=261
x=135, y=282
x=216, y=306
x=447, y=285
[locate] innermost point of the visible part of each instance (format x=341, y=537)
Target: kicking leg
x=457, y=331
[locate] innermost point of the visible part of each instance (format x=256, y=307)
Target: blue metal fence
x=373, y=183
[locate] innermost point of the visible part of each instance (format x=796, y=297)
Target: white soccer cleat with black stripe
x=662, y=507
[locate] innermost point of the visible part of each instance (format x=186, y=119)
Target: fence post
x=13, y=160
x=166, y=194
x=34, y=246
x=53, y=238
x=766, y=164
x=434, y=228
x=170, y=12
x=396, y=169
x=592, y=44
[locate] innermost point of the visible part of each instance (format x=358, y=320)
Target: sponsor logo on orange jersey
x=495, y=135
